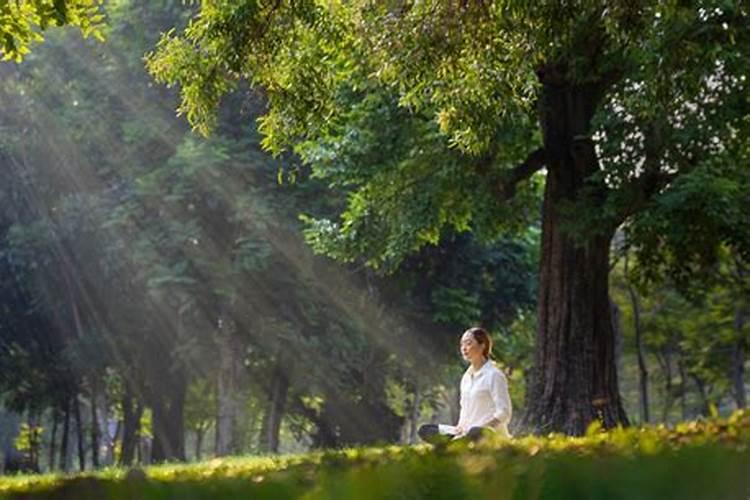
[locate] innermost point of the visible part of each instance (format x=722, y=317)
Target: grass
x=697, y=460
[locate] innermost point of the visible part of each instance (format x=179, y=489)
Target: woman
x=485, y=403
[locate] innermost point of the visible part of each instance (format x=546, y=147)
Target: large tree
x=439, y=113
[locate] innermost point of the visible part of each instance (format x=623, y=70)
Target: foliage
x=710, y=456
x=348, y=126
x=22, y=20
x=421, y=112
x=29, y=438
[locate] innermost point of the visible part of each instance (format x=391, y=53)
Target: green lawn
x=698, y=460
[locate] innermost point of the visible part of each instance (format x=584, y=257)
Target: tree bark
x=269, y=439
x=575, y=378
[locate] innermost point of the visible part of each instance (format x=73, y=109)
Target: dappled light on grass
x=696, y=460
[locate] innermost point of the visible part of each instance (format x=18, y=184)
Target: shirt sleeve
x=462, y=404
x=501, y=398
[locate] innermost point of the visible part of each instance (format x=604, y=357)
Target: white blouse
x=484, y=397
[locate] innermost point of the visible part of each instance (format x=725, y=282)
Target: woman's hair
x=482, y=337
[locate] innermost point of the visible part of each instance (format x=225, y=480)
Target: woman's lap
x=431, y=434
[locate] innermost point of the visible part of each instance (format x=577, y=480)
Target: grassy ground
x=698, y=460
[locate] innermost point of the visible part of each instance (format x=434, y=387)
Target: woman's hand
x=459, y=432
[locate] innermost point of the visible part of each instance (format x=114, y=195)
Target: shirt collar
x=486, y=366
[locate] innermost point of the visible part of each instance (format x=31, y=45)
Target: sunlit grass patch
x=696, y=460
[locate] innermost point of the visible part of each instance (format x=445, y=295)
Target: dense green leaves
x=22, y=20
x=421, y=111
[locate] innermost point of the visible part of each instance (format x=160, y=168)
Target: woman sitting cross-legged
x=485, y=403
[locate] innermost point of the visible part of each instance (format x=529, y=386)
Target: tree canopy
x=443, y=114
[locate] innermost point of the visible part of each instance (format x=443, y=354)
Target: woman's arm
x=501, y=398
x=461, y=409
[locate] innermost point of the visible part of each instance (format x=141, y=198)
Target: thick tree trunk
x=575, y=380
x=269, y=438
x=79, y=434
x=228, y=388
x=738, y=360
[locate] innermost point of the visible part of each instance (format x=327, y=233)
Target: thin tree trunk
x=199, y=433
x=614, y=310
x=64, y=442
x=132, y=412
x=575, y=378
x=94, y=427
x=414, y=418
x=705, y=404
x=111, y=458
x=269, y=441
x=228, y=388
x=34, y=441
x=642, y=370
x=683, y=390
x=738, y=359
x=665, y=360
x=79, y=434
x=53, y=438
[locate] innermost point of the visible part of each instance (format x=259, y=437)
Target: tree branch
x=643, y=189
x=506, y=187
x=653, y=179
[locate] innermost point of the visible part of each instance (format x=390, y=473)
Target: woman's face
x=471, y=350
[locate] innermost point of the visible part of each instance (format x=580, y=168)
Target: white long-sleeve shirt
x=484, y=397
